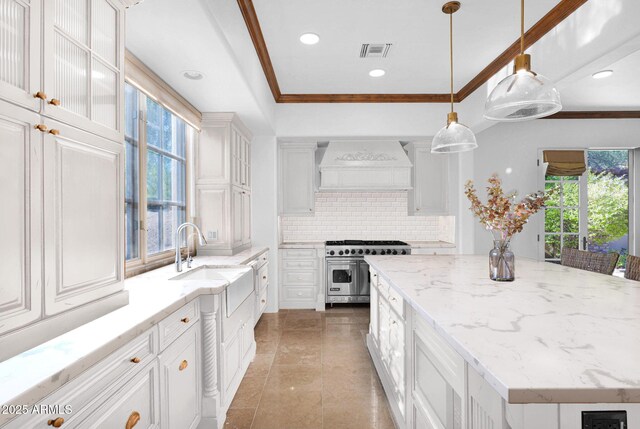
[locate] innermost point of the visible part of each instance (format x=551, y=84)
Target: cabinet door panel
x=180, y=375
x=20, y=41
x=231, y=364
x=246, y=218
x=20, y=178
x=83, y=218
x=236, y=212
x=139, y=396
x=297, y=181
x=431, y=183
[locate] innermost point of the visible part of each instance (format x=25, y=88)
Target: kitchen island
x=455, y=349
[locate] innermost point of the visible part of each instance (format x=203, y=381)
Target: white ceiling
x=620, y=91
x=419, y=59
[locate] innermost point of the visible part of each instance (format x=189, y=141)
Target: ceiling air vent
x=374, y=50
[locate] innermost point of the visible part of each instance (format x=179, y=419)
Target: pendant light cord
x=451, y=56
x=521, y=27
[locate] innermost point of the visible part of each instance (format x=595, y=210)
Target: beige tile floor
x=312, y=370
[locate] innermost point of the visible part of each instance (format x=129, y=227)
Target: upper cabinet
x=65, y=61
x=83, y=57
x=20, y=28
x=240, y=159
x=430, y=193
x=296, y=178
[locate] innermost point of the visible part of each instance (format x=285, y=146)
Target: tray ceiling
x=417, y=63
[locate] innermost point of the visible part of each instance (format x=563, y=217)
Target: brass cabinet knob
x=41, y=95
x=263, y=301
x=183, y=365
x=54, y=132
x=264, y=277
x=41, y=127
x=54, y=102
x=56, y=423
x=185, y=320
x=135, y=360
x=133, y=420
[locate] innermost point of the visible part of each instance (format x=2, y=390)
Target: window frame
x=146, y=262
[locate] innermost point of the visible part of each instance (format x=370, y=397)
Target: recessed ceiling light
x=192, y=74
x=377, y=73
x=309, y=38
x=602, y=74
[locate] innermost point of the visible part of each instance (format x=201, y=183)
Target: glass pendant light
x=524, y=95
x=455, y=137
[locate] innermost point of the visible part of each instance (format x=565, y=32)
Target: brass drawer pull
x=263, y=301
x=54, y=102
x=264, y=277
x=41, y=95
x=185, y=320
x=41, y=127
x=135, y=360
x=183, y=365
x=54, y=132
x=133, y=420
x=56, y=423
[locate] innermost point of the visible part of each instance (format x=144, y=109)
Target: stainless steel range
x=348, y=278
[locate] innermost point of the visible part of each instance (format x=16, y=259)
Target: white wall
x=516, y=146
x=264, y=208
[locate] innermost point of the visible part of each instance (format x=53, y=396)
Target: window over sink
x=156, y=143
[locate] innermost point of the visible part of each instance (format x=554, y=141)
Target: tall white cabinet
x=61, y=93
x=223, y=184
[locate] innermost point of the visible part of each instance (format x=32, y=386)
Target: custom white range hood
x=365, y=166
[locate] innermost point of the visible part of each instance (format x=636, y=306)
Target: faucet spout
x=201, y=239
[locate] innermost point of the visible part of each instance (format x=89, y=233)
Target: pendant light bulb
x=454, y=137
x=524, y=95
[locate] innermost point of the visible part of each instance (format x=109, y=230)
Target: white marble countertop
x=554, y=335
x=431, y=244
x=30, y=376
x=301, y=245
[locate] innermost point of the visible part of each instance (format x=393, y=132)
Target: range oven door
x=342, y=278
x=364, y=279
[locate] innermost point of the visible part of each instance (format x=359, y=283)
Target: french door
x=593, y=211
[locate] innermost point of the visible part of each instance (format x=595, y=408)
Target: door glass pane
x=13, y=42
x=562, y=215
x=104, y=97
x=71, y=75
x=71, y=17
x=132, y=173
x=608, y=208
x=104, y=28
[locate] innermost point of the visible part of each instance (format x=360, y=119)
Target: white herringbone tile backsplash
x=364, y=216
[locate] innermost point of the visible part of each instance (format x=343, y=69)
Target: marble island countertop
x=554, y=335
x=30, y=376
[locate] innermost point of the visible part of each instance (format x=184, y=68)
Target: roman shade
x=565, y=162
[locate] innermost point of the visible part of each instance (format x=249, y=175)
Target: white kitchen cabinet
x=238, y=346
x=83, y=223
x=301, y=279
x=430, y=193
x=83, y=64
x=20, y=27
x=180, y=378
x=20, y=229
x=223, y=184
x=374, y=308
x=296, y=178
x=65, y=215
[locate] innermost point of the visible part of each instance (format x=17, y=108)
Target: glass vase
x=501, y=262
